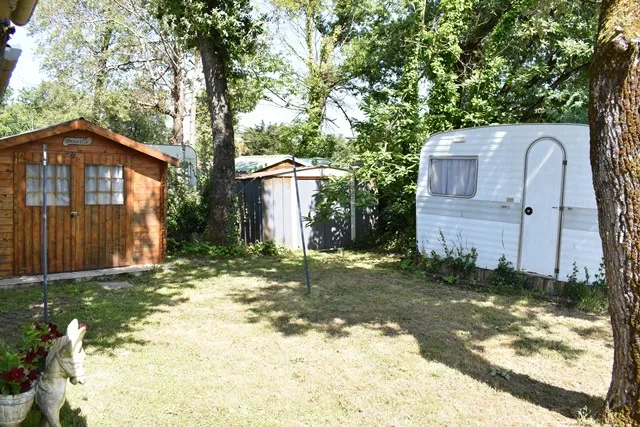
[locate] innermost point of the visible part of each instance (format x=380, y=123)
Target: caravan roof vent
x=459, y=139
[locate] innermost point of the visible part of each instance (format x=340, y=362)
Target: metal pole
x=304, y=246
x=44, y=231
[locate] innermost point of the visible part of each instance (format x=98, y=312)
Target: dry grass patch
x=240, y=343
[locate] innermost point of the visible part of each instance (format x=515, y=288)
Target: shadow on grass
x=445, y=321
x=68, y=417
x=110, y=314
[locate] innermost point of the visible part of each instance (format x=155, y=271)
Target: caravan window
x=453, y=176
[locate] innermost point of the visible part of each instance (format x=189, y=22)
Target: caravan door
x=541, y=216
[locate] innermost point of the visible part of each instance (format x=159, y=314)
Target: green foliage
x=506, y=276
x=267, y=248
x=293, y=139
x=54, y=102
x=456, y=259
x=451, y=279
x=426, y=67
x=187, y=211
x=588, y=296
x=333, y=200
x=227, y=23
x=204, y=249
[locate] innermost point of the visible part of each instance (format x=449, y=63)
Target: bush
x=187, y=212
x=588, y=296
x=456, y=258
x=268, y=248
x=204, y=249
x=506, y=276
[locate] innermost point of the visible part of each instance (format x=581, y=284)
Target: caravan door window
x=453, y=176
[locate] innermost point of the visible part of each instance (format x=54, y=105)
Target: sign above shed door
x=543, y=187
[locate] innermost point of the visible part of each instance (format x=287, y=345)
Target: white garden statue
x=64, y=360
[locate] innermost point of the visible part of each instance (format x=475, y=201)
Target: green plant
x=187, y=211
x=588, y=296
x=451, y=279
x=20, y=369
x=575, y=289
x=204, y=249
x=266, y=248
x=506, y=276
x=455, y=258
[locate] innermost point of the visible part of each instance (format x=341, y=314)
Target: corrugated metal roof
x=250, y=164
x=324, y=171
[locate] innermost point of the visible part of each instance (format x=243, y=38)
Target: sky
x=27, y=74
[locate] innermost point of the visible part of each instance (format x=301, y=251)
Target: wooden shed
x=106, y=200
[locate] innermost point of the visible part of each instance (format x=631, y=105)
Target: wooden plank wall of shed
x=146, y=192
x=6, y=213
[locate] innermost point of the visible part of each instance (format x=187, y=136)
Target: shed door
x=28, y=213
x=104, y=226
x=541, y=208
x=84, y=230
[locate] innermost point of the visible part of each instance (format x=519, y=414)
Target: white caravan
x=523, y=190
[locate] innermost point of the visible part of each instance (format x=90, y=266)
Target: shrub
x=506, y=276
x=187, y=212
x=456, y=258
x=204, y=249
x=266, y=248
x=588, y=296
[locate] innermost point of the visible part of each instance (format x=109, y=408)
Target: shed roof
x=323, y=171
x=82, y=124
x=250, y=164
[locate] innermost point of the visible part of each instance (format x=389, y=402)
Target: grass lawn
x=239, y=343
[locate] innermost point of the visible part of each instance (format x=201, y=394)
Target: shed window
x=455, y=177
x=103, y=185
x=58, y=185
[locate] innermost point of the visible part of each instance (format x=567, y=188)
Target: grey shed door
x=277, y=213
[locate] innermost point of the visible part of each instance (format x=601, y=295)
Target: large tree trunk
x=221, y=223
x=615, y=157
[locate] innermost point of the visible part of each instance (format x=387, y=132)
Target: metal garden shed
x=269, y=211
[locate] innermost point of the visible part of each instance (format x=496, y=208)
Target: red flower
x=37, y=326
x=30, y=357
x=41, y=352
x=25, y=386
x=46, y=337
x=15, y=375
x=33, y=375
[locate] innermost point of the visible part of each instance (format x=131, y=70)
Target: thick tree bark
x=221, y=222
x=615, y=158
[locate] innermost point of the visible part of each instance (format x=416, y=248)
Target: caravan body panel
x=562, y=227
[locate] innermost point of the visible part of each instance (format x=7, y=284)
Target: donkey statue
x=64, y=360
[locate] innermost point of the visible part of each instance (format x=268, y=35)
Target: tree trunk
x=221, y=229
x=177, y=96
x=615, y=158
x=101, y=73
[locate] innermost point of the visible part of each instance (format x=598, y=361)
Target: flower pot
x=14, y=409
